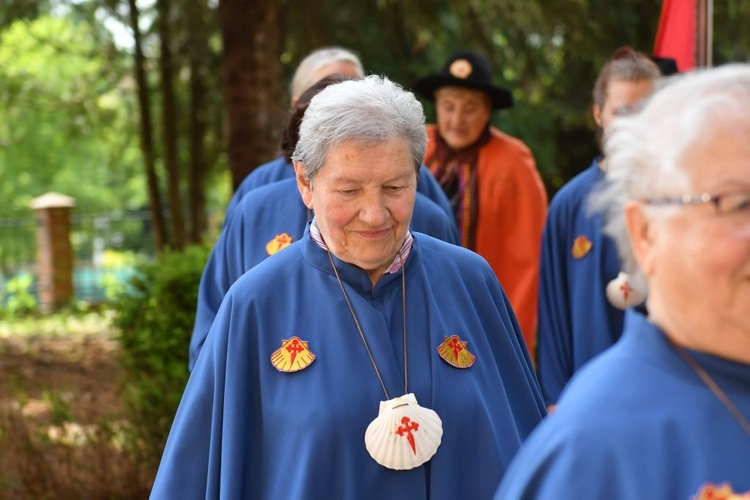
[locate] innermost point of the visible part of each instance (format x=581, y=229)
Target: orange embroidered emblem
x=292, y=356
x=280, y=242
x=460, y=68
x=723, y=492
x=581, y=247
x=453, y=350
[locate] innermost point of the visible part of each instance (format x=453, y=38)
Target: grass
x=67, y=322
x=54, y=442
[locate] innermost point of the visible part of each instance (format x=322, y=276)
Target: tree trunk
x=251, y=83
x=198, y=53
x=169, y=122
x=147, y=135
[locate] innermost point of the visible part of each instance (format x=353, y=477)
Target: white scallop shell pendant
x=622, y=292
x=404, y=435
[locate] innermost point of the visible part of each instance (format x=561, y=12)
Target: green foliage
x=155, y=316
x=21, y=9
x=60, y=408
x=69, y=118
x=730, y=34
x=116, y=265
x=66, y=117
x=17, y=299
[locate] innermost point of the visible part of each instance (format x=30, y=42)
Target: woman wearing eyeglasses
x=664, y=413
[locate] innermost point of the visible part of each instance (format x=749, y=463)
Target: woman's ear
x=641, y=232
x=596, y=111
x=303, y=184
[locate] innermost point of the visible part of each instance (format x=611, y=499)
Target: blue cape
x=637, y=422
x=264, y=213
x=576, y=321
x=247, y=430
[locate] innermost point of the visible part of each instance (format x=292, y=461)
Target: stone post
x=54, y=250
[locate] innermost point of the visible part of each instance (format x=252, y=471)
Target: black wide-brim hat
x=465, y=69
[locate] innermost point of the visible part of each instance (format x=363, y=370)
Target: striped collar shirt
x=400, y=257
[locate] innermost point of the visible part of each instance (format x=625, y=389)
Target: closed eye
x=740, y=203
x=737, y=202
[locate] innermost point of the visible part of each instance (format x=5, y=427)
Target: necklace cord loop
x=359, y=328
x=711, y=384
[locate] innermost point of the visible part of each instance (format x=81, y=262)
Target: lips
x=458, y=132
x=374, y=234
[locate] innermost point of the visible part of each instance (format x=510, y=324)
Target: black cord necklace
x=404, y=435
x=362, y=334
x=712, y=385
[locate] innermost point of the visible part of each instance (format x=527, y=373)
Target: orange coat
x=511, y=210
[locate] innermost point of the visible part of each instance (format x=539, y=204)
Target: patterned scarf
x=456, y=171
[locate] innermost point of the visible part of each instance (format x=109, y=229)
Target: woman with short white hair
x=364, y=360
x=664, y=413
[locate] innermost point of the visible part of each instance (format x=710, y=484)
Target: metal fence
x=105, y=247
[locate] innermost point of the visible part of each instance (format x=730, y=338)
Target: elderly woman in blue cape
x=664, y=412
x=269, y=217
x=363, y=361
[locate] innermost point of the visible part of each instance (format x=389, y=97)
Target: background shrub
x=154, y=317
x=17, y=300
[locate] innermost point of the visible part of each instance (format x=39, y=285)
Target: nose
x=454, y=118
x=373, y=210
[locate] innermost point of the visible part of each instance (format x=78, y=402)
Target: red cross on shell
x=279, y=242
x=293, y=355
x=453, y=351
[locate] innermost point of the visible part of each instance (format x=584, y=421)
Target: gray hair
x=627, y=65
x=369, y=110
x=305, y=74
x=645, y=151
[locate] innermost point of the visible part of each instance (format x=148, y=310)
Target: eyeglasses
x=726, y=204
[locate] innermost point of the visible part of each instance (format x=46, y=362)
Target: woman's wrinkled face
x=698, y=264
x=363, y=198
x=462, y=115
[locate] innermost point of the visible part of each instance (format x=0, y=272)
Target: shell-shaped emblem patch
x=453, y=350
x=581, y=247
x=723, y=492
x=293, y=355
x=280, y=242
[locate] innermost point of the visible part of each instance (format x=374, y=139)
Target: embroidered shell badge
x=453, y=351
x=581, y=246
x=280, y=242
x=720, y=492
x=293, y=355
x=404, y=435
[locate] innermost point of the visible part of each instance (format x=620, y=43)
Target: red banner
x=675, y=37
